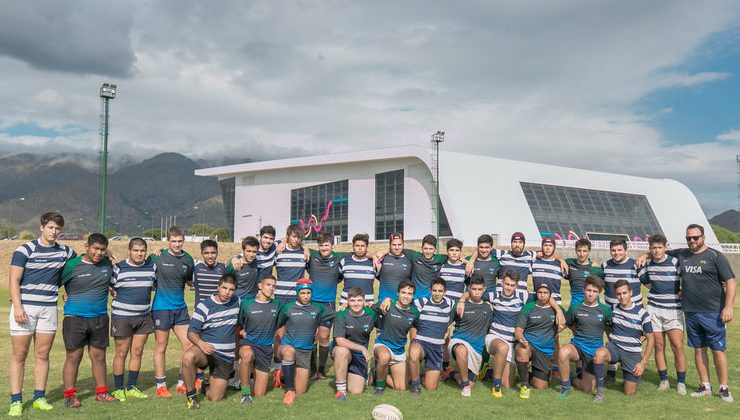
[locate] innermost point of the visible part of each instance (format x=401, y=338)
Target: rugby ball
x=386, y=412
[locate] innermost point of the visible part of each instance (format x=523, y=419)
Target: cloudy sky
x=644, y=88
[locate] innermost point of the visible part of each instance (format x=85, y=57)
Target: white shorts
x=665, y=319
x=41, y=319
x=395, y=358
x=474, y=358
x=509, y=354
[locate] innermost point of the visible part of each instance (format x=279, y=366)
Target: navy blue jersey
x=473, y=326
x=133, y=285
x=205, y=279
x=42, y=268
x=358, y=273
x=325, y=273
x=614, y=271
x=434, y=319
x=259, y=320
x=290, y=267
x=629, y=325
x=664, y=281
x=424, y=271
x=454, y=276
x=301, y=323
x=394, y=269
x=216, y=323
x=539, y=326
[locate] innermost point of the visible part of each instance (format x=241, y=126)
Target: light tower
x=437, y=138
x=107, y=92
x=738, y=182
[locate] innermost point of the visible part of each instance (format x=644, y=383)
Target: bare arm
x=205, y=347
x=640, y=367
x=728, y=310
x=519, y=335
x=14, y=279
x=343, y=342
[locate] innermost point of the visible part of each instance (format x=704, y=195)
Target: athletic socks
x=497, y=383
x=599, y=374
x=179, y=380
x=245, y=390
x=416, y=384
x=681, y=377
x=118, y=381
x=565, y=384
x=39, y=393
x=289, y=374
x=663, y=374
x=464, y=383
x=323, y=356
x=14, y=398
x=101, y=389
x=199, y=375
x=523, y=369
x=160, y=381
x=191, y=393
x=133, y=377
x=70, y=393
x=380, y=384
x=707, y=386
x=342, y=386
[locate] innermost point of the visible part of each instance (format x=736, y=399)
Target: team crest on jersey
x=313, y=314
x=366, y=327
x=404, y=266
x=184, y=268
x=104, y=271
x=331, y=263
x=586, y=273
x=600, y=316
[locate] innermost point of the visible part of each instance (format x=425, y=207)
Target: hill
x=729, y=220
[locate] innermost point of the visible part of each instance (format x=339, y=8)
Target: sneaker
x=724, y=395
x=496, y=392
x=610, y=379
x=681, y=389
x=321, y=376
x=120, y=394
x=664, y=385
x=16, y=409
x=163, y=392
x=524, y=392
x=340, y=396
x=181, y=389
x=415, y=391
x=136, y=393
x=199, y=383
x=702, y=391
x=289, y=397
x=599, y=398
x=466, y=391
x=564, y=393
x=276, y=380
x=193, y=403
x=246, y=399
x=314, y=377
x=72, y=402
x=378, y=392
x=42, y=405
x=234, y=383
x=106, y=397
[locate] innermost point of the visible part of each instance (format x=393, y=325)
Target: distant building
x=392, y=190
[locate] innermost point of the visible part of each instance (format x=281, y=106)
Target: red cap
x=518, y=235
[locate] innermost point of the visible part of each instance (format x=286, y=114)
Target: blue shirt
x=665, y=283
x=205, y=279
x=628, y=326
x=266, y=260
x=87, y=286
x=216, y=323
x=358, y=273
x=133, y=286
x=290, y=266
x=42, y=267
x=434, y=320
x=454, y=276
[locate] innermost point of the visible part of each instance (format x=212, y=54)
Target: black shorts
x=129, y=326
x=262, y=355
x=433, y=355
x=303, y=358
x=357, y=363
x=164, y=320
x=79, y=332
x=626, y=359
x=541, y=364
x=586, y=359
x=330, y=309
x=218, y=368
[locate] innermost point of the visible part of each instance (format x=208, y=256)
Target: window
x=558, y=210
x=388, y=203
x=228, y=191
x=321, y=208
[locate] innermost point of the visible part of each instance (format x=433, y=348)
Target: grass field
x=445, y=403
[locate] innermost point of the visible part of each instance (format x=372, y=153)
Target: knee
x=246, y=354
x=188, y=358
x=601, y=355
x=564, y=355
x=137, y=352
x=20, y=354
x=288, y=352
x=383, y=356
x=461, y=352
x=341, y=353
x=42, y=355
x=500, y=347
x=121, y=353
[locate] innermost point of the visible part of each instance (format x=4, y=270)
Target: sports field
x=445, y=403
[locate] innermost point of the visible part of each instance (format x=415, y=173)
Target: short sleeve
x=723, y=268
x=198, y=319
x=340, y=323
x=20, y=257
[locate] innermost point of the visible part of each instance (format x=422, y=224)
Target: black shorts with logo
x=131, y=325
x=79, y=332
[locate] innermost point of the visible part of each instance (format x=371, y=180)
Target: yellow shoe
x=524, y=393
x=496, y=392
x=134, y=392
x=119, y=394
x=42, y=405
x=16, y=409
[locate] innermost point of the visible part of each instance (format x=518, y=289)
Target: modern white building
x=389, y=190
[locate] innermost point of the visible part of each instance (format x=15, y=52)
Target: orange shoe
x=289, y=397
x=276, y=380
x=181, y=389
x=198, y=384
x=163, y=392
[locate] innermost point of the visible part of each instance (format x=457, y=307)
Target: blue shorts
x=164, y=320
x=706, y=329
x=330, y=309
x=586, y=359
x=433, y=355
x=628, y=360
x=357, y=363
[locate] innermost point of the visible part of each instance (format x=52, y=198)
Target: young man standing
x=630, y=325
x=212, y=331
x=258, y=320
x=536, y=335
x=35, y=269
x=453, y=271
x=247, y=276
x=352, y=329
x=395, y=268
x=131, y=315
x=484, y=262
x=290, y=263
x=301, y=320
x=207, y=272
x=425, y=265
x=500, y=339
x=267, y=250
x=588, y=320
x=394, y=326
x=579, y=268
x=358, y=270
x=468, y=338
x=546, y=270
x=86, y=281
x=661, y=276
x=169, y=310
x=435, y=316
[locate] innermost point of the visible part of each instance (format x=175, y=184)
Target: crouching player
x=468, y=339
x=536, y=334
x=212, y=331
x=301, y=320
x=258, y=321
x=630, y=323
x=389, y=349
x=352, y=328
x=588, y=320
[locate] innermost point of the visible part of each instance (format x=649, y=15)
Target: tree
x=199, y=229
x=154, y=233
x=220, y=234
x=7, y=230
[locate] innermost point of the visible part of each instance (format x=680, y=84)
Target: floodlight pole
x=437, y=138
x=107, y=92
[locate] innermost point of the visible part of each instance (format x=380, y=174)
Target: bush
x=27, y=236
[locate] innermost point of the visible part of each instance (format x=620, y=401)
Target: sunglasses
x=693, y=238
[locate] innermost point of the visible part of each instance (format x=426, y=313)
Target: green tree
x=26, y=235
x=726, y=236
x=199, y=229
x=7, y=230
x=220, y=234
x=153, y=232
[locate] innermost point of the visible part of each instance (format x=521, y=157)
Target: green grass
x=446, y=402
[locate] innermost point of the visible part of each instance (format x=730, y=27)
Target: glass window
x=228, y=191
x=321, y=208
x=388, y=203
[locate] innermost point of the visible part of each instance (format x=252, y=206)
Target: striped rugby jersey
x=454, y=276
x=133, y=285
x=550, y=273
x=614, y=271
x=665, y=282
x=290, y=267
x=358, y=273
x=628, y=325
x=42, y=269
x=205, y=279
x=266, y=260
x=505, y=313
x=434, y=319
x=522, y=264
x=216, y=322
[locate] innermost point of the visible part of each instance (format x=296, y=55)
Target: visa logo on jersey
x=693, y=269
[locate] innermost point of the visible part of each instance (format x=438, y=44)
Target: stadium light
x=107, y=92
x=437, y=138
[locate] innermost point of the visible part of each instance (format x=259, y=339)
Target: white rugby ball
x=386, y=412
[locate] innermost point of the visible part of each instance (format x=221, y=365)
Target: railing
x=643, y=246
